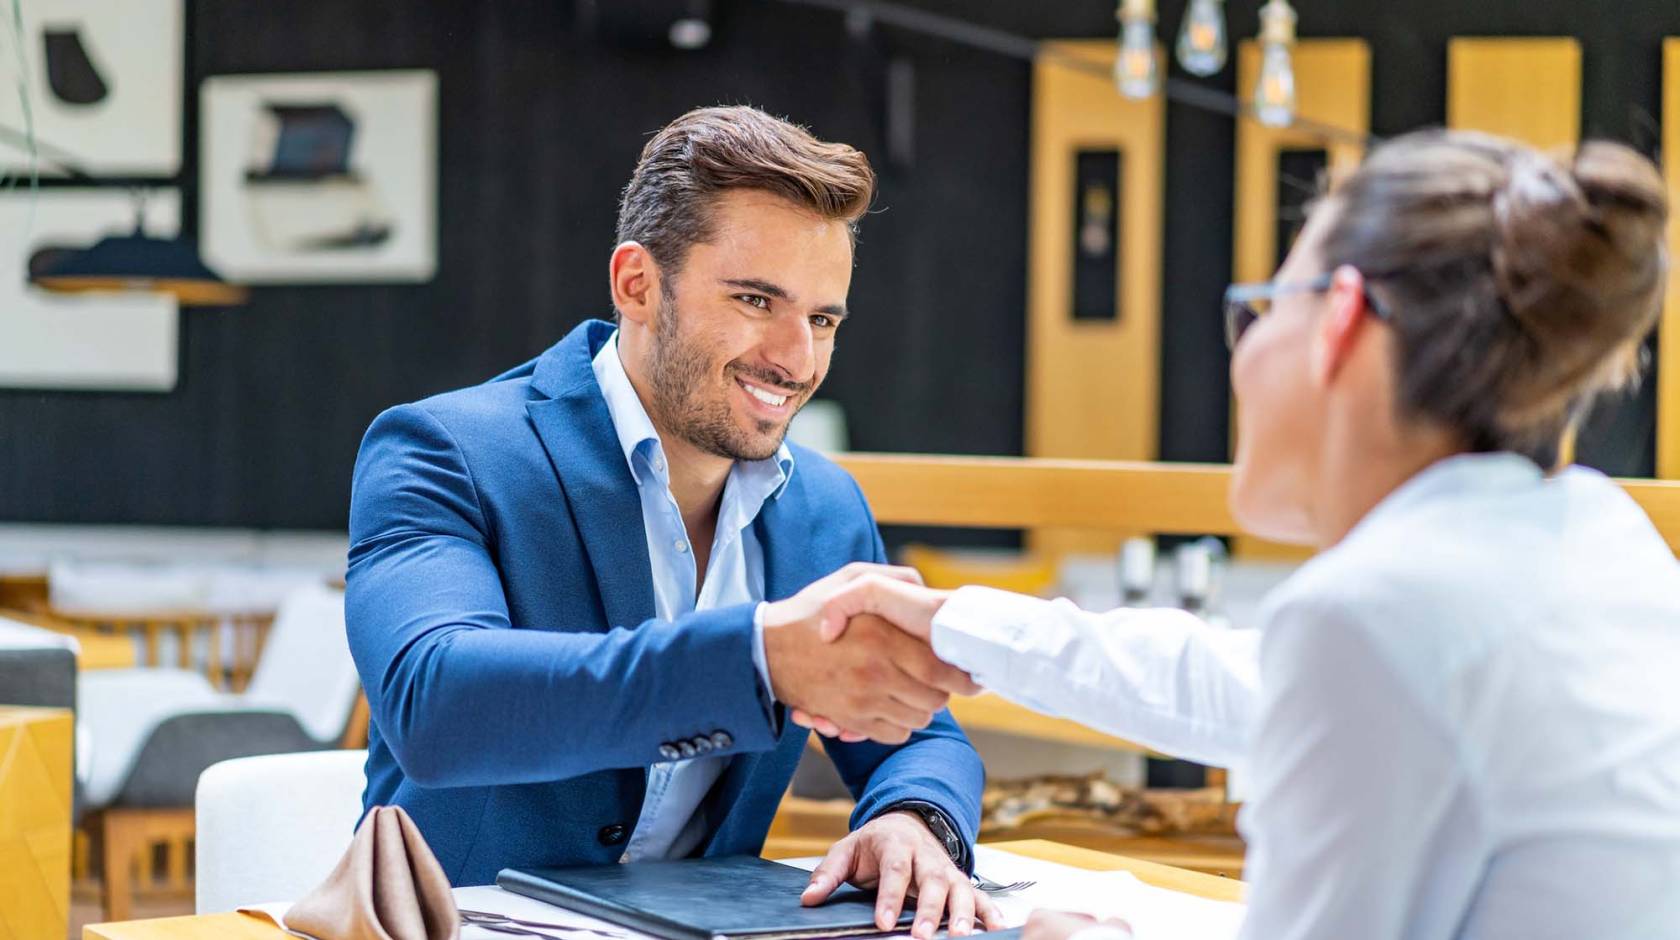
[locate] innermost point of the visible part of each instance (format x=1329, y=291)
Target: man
x=558, y=579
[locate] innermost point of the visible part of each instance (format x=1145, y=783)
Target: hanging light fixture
x=1201, y=38
x=1136, y=73
x=1274, y=94
x=134, y=261
x=692, y=30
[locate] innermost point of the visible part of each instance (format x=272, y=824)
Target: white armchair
x=271, y=828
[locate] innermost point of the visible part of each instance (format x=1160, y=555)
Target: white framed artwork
x=118, y=341
x=103, y=82
x=321, y=178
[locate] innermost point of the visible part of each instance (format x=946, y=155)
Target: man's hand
x=1056, y=925
x=904, y=602
x=908, y=604
x=895, y=854
x=876, y=681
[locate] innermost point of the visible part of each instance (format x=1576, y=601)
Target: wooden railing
x=1163, y=498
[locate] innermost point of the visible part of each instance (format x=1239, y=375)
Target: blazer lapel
x=790, y=535
x=576, y=431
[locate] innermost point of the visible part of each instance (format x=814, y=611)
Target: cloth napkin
x=388, y=886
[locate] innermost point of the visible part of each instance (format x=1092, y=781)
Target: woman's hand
x=906, y=605
x=1058, y=925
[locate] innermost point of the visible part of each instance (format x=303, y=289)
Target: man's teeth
x=774, y=401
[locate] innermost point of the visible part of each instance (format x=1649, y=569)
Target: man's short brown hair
x=667, y=205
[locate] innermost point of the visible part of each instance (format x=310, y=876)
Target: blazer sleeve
x=463, y=696
x=937, y=765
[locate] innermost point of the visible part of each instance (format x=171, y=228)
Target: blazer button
x=703, y=744
x=722, y=741
x=611, y=835
x=669, y=752
x=687, y=749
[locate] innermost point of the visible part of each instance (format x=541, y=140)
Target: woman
x=1469, y=719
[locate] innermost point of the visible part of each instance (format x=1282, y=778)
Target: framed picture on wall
x=102, y=83
x=319, y=178
x=124, y=341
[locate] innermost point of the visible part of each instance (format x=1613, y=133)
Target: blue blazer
x=501, y=614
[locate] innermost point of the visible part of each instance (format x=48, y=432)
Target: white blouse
x=1469, y=725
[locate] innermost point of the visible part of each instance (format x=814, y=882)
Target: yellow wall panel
x=1333, y=87
x=1529, y=89
x=1668, y=334
x=1093, y=386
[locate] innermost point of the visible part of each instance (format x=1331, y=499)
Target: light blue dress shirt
x=671, y=825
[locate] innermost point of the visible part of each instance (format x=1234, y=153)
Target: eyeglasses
x=1247, y=303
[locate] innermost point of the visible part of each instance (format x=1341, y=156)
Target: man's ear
x=634, y=280
x=1340, y=326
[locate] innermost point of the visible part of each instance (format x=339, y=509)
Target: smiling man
x=583, y=595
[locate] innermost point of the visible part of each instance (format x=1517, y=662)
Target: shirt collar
x=639, y=440
x=1456, y=475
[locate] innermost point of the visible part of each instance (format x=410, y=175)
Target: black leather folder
x=733, y=898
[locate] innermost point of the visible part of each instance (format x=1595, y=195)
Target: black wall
x=540, y=123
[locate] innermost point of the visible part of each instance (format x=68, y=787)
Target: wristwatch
x=939, y=824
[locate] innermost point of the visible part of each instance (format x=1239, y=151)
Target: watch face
x=937, y=824
x=943, y=832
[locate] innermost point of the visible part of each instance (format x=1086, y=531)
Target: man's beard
x=686, y=405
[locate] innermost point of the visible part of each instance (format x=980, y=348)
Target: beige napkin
x=388, y=886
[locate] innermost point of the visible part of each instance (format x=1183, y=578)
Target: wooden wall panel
x=1333, y=86
x=1668, y=334
x=1093, y=386
x=1527, y=88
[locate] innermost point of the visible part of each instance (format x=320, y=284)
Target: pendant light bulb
x=1201, y=40
x=1136, y=72
x=1274, y=94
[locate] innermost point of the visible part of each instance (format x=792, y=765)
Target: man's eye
x=822, y=321
x=757, y=300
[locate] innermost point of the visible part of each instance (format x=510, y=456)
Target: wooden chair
x=26, y=592
x=232, y=643
x=304, y=696
x=130, y=841
x=96, y=649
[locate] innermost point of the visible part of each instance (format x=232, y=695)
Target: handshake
x=851, y=655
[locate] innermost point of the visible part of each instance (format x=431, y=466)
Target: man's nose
x=790, y=346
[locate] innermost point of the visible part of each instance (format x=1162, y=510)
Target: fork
x=498, y=927
x=504, y=924
x=993, y=887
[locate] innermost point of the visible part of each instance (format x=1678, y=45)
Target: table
x=35, y=749
x=234, y=926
